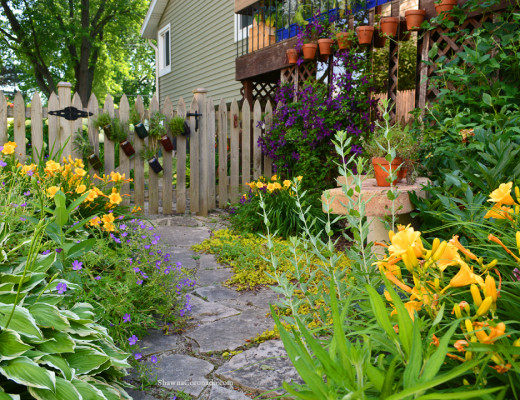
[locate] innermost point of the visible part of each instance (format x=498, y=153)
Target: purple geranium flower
x=61, y=288
x=153, y=360
x=76, y=265
x=127, y=317
x=133, y=340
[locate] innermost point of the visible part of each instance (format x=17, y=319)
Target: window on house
x=242, y=24
x=164, y=42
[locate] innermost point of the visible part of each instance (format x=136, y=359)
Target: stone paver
x=158, y=342
x=260, y=369
x=138, y=395
x=221, y=393
x=212, y=276
x=230, y=333
x=215, y=293
x=204, y=311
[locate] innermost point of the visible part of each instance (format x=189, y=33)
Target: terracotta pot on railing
x=325, y=46
x=166, y=143
x=292, y=56
x=94, y=160
x=343, y=42
x=414, y=19
x=309, y=51
x=365, y=34
x=140, y=130
x=445, y=6
x=379, y=39
x=127, y=148
x=155, y=165
x=382, y=175
x=388, y=25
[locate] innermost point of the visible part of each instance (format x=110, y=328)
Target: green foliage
x=156, y=126
x=118, y=133
x=82, y=144
x=176, y=125
x=102, y=120
x=135, y=118
x=407, y=66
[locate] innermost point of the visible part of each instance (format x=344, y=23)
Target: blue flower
x=61, y=288
x=139, y=282
x=153, y=360
x=138, y=356
x=27, y=193
x=127, y=317
x=76, y=265
x=3, y=163
x=133, y=340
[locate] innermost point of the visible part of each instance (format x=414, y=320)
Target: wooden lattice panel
x=264, y=91
x=296, y=75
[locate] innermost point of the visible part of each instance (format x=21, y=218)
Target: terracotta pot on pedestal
x=382, y=175
x=309, y=51
x=365, y=34
x=388, y=25
x=292, y=56
x=414, y=19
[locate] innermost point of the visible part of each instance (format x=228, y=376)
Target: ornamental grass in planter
x=158, y=131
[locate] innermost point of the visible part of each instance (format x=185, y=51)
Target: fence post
x=66, y=126
x=200, y=98
x=3, y=118
x=36, y=127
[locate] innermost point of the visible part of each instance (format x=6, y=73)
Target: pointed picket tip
x=167, y=102
x=181, y=108
x=92, y=100
x=194, y=107
x=234, y=105
x=222, y=105
x=124, y=100
x=124, y=109
x=36, y=99
x=257, y=108
x=109, y=104
x=77, y=100
x=209, y=105
x=167, y=109
x=154, y=104
x=268, y=107
x=246, y=102
x=18, y=98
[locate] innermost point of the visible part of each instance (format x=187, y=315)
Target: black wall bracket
x=71, y=113
x=196, y=115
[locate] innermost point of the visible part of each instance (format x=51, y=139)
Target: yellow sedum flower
x=502, y=195
x=8, y=148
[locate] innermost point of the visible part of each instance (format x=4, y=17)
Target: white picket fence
x=231, y=133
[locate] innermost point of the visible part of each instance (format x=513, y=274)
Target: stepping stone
x=215, y=293
x=260, y=369
x=208, y=261
x=220, y=393
x=181, y=236
x=230, y=333
x=182, y=255
x=158, y=342
x=206, y=277
x=180, y=372
x=204, y=311
x=138, y=395
x=247, y=300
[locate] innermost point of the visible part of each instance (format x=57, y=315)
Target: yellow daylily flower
x=502, y=194
x=115, y=197
x=465, y=277
x=80, y=189
x=270, y=187
x=259, y=185
x=499, y=211
x=108, y=218
x=455, y=242
x=287, y=183
x=406, y=237
x=450, y=256
x=8, y=148
x=51, y=192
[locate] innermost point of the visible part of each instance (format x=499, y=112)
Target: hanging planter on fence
x=309, y=51
x=445, y=6
x=166, y=143
x=140, y=129
x=292, y=56
x=187, y=130
x=94, y=160
x=365, y=34
x=343, y=41
x=379, y=39
x=155, y=165
x=414, y=19
x=108, y=130
x=388, y=25
x=325, y=46
x=127, y=147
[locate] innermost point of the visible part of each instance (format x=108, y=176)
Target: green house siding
x=203, y=50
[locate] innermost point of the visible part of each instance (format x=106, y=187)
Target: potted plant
x=83, y=146
x=389, y=25
x=325, y=42
x=104, y=122
x=158, y=131
x=444, y=6
x=178, y=126
x=364, y=34
x=292, y=56
x=345, y=39
x=119, y=135
x=405, y=147
x=150, y=154
x=139, y=128
x=414, y=19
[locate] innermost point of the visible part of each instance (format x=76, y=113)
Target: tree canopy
x=94, y=44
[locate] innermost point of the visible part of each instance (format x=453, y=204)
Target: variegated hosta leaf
x=11, y=345
x=87, y=391
x=46, y=298
x=22, y=321
x=60, y=343
x=117, y=356
x=26, y=372
x=48, y=316
x=7, y=396
x=34, y=280
x=65, y=390
x=84, y=360
x=59, y=363
x=84, y=310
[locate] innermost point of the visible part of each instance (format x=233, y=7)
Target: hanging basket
x=187, y=130
x=127, y=147
x=94, y=160
x=292, y=56
x=155, y=165
x=166, y=143
x=140, y=130
x=325, y=46
x=365, y=34
x=108, y=130
x=414, y=19
x=388, y=25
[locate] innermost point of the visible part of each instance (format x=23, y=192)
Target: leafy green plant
x=176, y=125
x=102, y=120
x=135, y=118
x=82, y=144
x=157, y=128
x=118, y=133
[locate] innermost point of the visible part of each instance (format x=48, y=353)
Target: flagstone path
x=221, y=320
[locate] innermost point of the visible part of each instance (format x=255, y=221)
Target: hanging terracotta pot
x=309, y=51
x=365, y=34
x=94, y=160
x=155, y=165
x=388, y=25
x=325, y=46
x=292, y=56
x=140, y=129
x=404, y=34
x=381, y=175
x=167, y=143
x=414, y=19
x=343, y=42
x=445, y=6
x=127, y=148
x=379, y=39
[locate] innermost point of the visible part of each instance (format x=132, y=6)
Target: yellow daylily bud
x=435, y=245
x=456, y=310
x=438, y=253
x=490, y=288
x=466, y=307
x=484, y=307
x=517, y=192
x=465, y=382
x=497, y=359
x=480, y=261
x=516, y=343
x=469, y=325
x=411, y=257
x=407, y=263
x=475, y=293
x=468, y=355
x=492, y=264
x=428, y=254
x=518, y=241
x=437, y=284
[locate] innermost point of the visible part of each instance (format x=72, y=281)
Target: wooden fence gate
x=222, y=149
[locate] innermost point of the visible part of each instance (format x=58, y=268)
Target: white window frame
x=164, y=69
x=240, y=34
